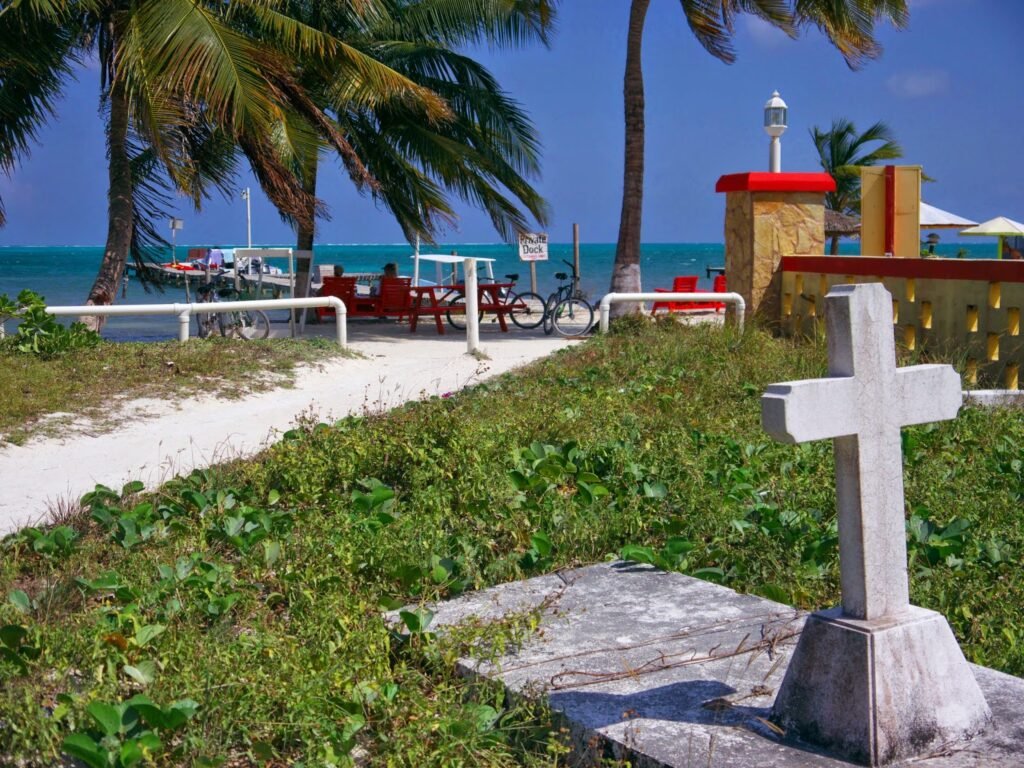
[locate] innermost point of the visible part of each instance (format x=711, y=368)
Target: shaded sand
x=175, y=437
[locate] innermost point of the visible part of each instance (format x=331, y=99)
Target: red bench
x=688, y=284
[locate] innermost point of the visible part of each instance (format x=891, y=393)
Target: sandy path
x=178, y=437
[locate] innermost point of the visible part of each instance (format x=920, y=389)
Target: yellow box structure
x=890, y=211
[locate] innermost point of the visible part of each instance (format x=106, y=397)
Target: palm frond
x=850, y=24
x=195, y=54
x=501, y=23
x=711, y=21
x=36, y=58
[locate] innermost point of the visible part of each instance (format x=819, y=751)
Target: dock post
x=576, y=254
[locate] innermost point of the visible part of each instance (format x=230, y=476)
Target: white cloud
x=918, y=85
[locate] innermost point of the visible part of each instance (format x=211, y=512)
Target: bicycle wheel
x=531, y=313
x=573, y=317
x=549, y=312
x=249, y=324
x=457, y=317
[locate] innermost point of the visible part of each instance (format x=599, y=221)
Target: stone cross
x=862, y=405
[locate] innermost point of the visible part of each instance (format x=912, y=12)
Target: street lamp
x=176, y=225
x=248, y=214
x=775, y=125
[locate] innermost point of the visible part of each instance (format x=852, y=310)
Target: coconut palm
x=843, y=152
x=849, y=25
x=183, y=82
x=474, y=142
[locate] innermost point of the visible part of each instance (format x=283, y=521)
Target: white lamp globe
x=775, y=115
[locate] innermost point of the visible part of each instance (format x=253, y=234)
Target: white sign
x=533, y=246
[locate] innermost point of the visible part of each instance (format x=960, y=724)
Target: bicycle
x=526, y=307
x=239, y=323
x=567, y=310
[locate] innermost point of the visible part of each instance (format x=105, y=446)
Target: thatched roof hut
x=840, y=224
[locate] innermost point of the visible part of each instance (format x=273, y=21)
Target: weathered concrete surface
x=666, y=670
x=882, y=690
x=994, y=398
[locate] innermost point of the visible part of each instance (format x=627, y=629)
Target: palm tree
x=471, y=141
x=843, y=152
x=183, y=83
x=849, y=25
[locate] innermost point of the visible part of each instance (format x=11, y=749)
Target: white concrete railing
x=185, y=311
x=701, y=296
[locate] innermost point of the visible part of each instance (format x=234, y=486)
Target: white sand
x=178, y=437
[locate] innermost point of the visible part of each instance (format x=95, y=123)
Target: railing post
x=184, y=316
x=340, y=321
x=472, y=304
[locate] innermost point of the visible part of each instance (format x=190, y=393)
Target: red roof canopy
x=776, y=182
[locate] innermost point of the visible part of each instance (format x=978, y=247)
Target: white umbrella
x=999, y=227
x=936, y=218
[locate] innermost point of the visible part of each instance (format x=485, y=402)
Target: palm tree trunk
x=834, y=249
x=306, y=232
x=626, y=272
x=119, y=208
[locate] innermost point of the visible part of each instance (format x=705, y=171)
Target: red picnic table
x=427, y=300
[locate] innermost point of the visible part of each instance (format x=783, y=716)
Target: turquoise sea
x=63, y=275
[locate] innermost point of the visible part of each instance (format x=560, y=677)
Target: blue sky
x=949, y=87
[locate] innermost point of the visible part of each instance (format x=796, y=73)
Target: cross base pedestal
x=878, y=691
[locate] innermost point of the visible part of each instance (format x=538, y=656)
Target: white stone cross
x=862, y=405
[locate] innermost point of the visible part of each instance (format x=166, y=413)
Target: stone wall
x=760, y=229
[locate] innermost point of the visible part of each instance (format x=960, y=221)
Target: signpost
x=176, y=226
x=533, y=247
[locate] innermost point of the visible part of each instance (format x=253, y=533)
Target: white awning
x=936, y=218
x=447, y=258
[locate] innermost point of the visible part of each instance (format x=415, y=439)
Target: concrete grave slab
x=666, y=670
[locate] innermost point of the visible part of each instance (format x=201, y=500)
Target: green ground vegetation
x=92, y=380
x=236, y=616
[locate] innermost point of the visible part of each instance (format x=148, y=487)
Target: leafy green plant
x=56, y=543
x=39, y=333
x=127, y=734
x=15, y=648
x=672, y=556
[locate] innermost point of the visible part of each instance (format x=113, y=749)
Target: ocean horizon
x=63, y=275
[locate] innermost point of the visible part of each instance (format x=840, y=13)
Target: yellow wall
x=974, y=324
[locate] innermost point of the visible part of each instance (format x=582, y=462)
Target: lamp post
x=176, y=225
x=248, y=214
x=775, y=125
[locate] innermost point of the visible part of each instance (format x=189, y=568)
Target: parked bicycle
x=239, y=323
x=567, y=310
x=526, y=308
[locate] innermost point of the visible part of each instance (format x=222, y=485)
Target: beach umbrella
x=999, y=227
x=936, y=218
